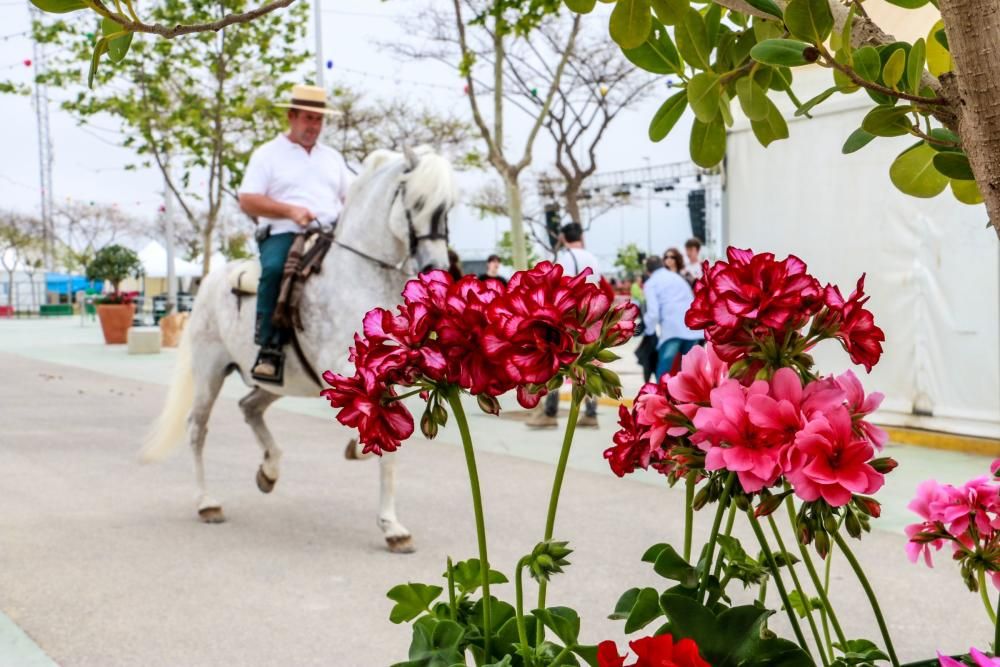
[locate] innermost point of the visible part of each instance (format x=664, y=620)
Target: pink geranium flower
x=981, y=660
x=861, y=406
x=731, y=441
x=829, y=461
x=701, y=371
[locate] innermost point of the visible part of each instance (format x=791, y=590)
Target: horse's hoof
x=402, y=544
x=265, y=483
x=211, y=515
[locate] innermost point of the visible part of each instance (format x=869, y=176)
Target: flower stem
x=986, y=597
x=522, y=631
x=730, y=520
x=879, y=618
x=452, y=604
x=803, y=596
x=714, y=535
x=689, y=483
x=821, y=588
x=550, y=519
x=996, y=632
x=477, y=507
x=776, y=575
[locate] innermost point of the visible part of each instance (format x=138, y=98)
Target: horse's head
x=419, y=215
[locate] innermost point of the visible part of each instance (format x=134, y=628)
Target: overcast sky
x=88, y=164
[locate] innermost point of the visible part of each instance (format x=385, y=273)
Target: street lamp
x=649, y=212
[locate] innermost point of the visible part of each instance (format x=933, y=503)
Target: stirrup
x=275, y=357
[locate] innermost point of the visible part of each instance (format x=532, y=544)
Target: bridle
x=438, y=231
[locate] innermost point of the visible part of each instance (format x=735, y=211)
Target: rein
x=434, y=234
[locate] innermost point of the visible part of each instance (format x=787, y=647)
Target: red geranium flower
x=854, y=325
x=381, y=426
x=660, y=651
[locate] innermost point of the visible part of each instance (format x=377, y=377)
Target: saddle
x=305, y=258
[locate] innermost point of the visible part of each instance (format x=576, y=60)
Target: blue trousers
x=273, y=253
x=668, y=351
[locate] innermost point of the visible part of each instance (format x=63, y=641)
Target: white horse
x=395, y=220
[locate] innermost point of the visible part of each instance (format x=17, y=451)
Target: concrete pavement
x=102, y=561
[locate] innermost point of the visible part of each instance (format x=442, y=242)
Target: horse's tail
x=171, y=426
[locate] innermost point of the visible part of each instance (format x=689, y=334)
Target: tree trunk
x=518, y=251
x=973, y=29
x=206, y=244
x=571, y=195
x=10, y=291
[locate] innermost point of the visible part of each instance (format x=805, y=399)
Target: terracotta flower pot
x=115, y=321
x=172, y=327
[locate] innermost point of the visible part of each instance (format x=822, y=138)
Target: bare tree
x=19, y=234
x=361, y=125
x=81, y=229
x=479, y=50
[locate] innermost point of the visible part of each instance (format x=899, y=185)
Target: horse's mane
x=432, y=180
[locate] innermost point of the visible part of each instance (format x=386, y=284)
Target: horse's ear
x=411, y=158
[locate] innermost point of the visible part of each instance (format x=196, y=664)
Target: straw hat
x=307, y=98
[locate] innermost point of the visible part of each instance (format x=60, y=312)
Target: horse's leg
x=397, y=537
x=209, y=373
x=253, y=406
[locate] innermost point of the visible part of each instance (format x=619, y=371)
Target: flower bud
x=428, y=426
x=555, y=384
x=742, y=501
x=805, y=533
x=885, y=464
x=607, y=356
x=700, y=499
x=440, y=415
x=869, y=506
x=853, y=525
x=830, y=523
x=768, y=505
x=609, y=377
x=595, y=385
x=822, y=541
x=548, y=558
x=488, y=404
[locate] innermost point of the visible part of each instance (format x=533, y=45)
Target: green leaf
x=692, y=40
x=645, y=609
x=753, y=99
x=867, y=63
x=737, y=631
x=117, y=47
x=667, y=116
x=859, y=139
x=724, y=108
x=803, y=604
x=883, y=121
x=713, y=17
x=810, y=20
x=703, y=96
x=808, y=105
x=954, y=165
x=588, y=653
x=944, y=134
x=435, y=643
x=915, y=65
x=563, y=621
x=766, y=6
x=689, y=619
x=908, y=4
x=772, y=128
x=411, y=600
x=786, y=52
x=778, y=652
x=657, y=54
x=631, y=21
x=99, y=49
x=59, y=6
x=892, y=73
x=581, y=6
x=913, y=172
x=671, y=12
x=670, y=565
x=708, y=142
x=966, y=192
x=468, y=575
x=625, y=603
x=938, y=57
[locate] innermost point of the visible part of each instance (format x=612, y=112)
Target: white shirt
x=692, y=271
x=288, y=173
x=575, y=260
x=668, y=297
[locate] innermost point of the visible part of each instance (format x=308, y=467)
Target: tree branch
x=169, y=32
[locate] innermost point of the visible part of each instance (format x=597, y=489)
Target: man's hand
x=300, y=215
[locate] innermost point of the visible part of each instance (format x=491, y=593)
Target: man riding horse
x=291, y=182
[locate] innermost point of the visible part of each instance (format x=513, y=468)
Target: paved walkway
x=103, y=563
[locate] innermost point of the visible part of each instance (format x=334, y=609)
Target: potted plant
x=114, y=264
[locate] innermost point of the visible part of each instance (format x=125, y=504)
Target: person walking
x=290, y=181
x=646, y=353
x=668, y=297
x=574, y=258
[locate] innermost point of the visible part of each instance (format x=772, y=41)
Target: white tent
x=154, y=263
x=933, y=268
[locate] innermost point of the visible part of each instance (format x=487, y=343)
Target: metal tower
x=41, y=101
